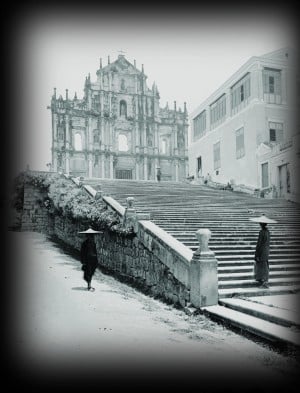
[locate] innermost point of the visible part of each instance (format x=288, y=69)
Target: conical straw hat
x=90, y=231
x=263, y=219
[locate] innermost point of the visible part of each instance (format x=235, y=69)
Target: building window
x=122, y=142
x=218, y=111
x=78, y=142
x=164, y=146
x=199, y=125
x=123, y=108
x=217, y=155
x=276, y=132
x=240, y=93
x=265, y=175
x=272, y=85
x=240, y=143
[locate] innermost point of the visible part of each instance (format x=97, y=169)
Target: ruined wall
x=129, y=259
x=125, y=257
x=35, y=215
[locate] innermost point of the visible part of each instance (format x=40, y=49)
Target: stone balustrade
x=152, y=258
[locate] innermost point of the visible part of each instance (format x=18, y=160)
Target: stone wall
x=125, y=257
x=35, y=215
x=150, y=258
x=128, y=259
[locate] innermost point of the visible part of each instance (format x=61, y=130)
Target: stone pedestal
x=129, y=219
x=203, y=273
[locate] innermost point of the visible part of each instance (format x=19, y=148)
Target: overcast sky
x=188, y=58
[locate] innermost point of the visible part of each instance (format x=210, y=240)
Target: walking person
x=88, y=256
x=261, y=256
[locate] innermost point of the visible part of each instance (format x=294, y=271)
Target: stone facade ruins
x=118, y=130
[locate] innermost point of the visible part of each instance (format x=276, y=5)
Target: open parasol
x=263, y=219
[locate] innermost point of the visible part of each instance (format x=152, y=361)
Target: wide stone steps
x=269, y=313
x=246, y=248
x=249, y=276
x=251, y=283
x=272, y=331
x=228, y=270
x=249, y=262
x=254, y=291
x=181, y=209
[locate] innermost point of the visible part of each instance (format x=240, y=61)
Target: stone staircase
x=181, y=209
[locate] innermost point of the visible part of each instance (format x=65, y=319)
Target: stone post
x=129, y=219
x=98, y=195
x=203, y=273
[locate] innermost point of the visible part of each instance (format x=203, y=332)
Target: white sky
x=188, y=59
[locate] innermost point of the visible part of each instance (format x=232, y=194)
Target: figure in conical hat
x=88, y=256
x=261, y=257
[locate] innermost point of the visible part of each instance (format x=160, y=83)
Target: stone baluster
x=203, y=273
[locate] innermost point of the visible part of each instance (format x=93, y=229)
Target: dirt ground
x=58, y=331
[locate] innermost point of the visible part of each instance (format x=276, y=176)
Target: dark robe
x=158, y=175
x=261, y=266
x=88, y=256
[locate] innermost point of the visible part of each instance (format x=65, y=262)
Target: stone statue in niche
x=181, y=141
x=123, y=108
x=149, y=140
x=61, y=135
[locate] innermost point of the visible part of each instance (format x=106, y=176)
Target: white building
x=246, y=132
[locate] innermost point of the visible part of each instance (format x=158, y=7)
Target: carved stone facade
x=118, y=130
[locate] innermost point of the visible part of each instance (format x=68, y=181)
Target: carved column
x=137, y=170
x=203, y=273
x=137, y=137
x=54, y=141
x=145, y=168
x=90, y=165
x=103, y=166
x=156, y=139
x=67, y=166
x=175, y=142
x=110, y=134
x=176, y=170
x=102, y=131
x=111, y=166
x=144, y=134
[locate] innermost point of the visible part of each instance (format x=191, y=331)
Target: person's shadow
x=79, y=288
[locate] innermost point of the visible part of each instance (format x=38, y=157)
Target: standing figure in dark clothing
x=261, y=257
x=158, y=175
x=88, y=257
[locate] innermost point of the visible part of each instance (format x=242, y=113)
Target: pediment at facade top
x=263, y=149
x=123, y=66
